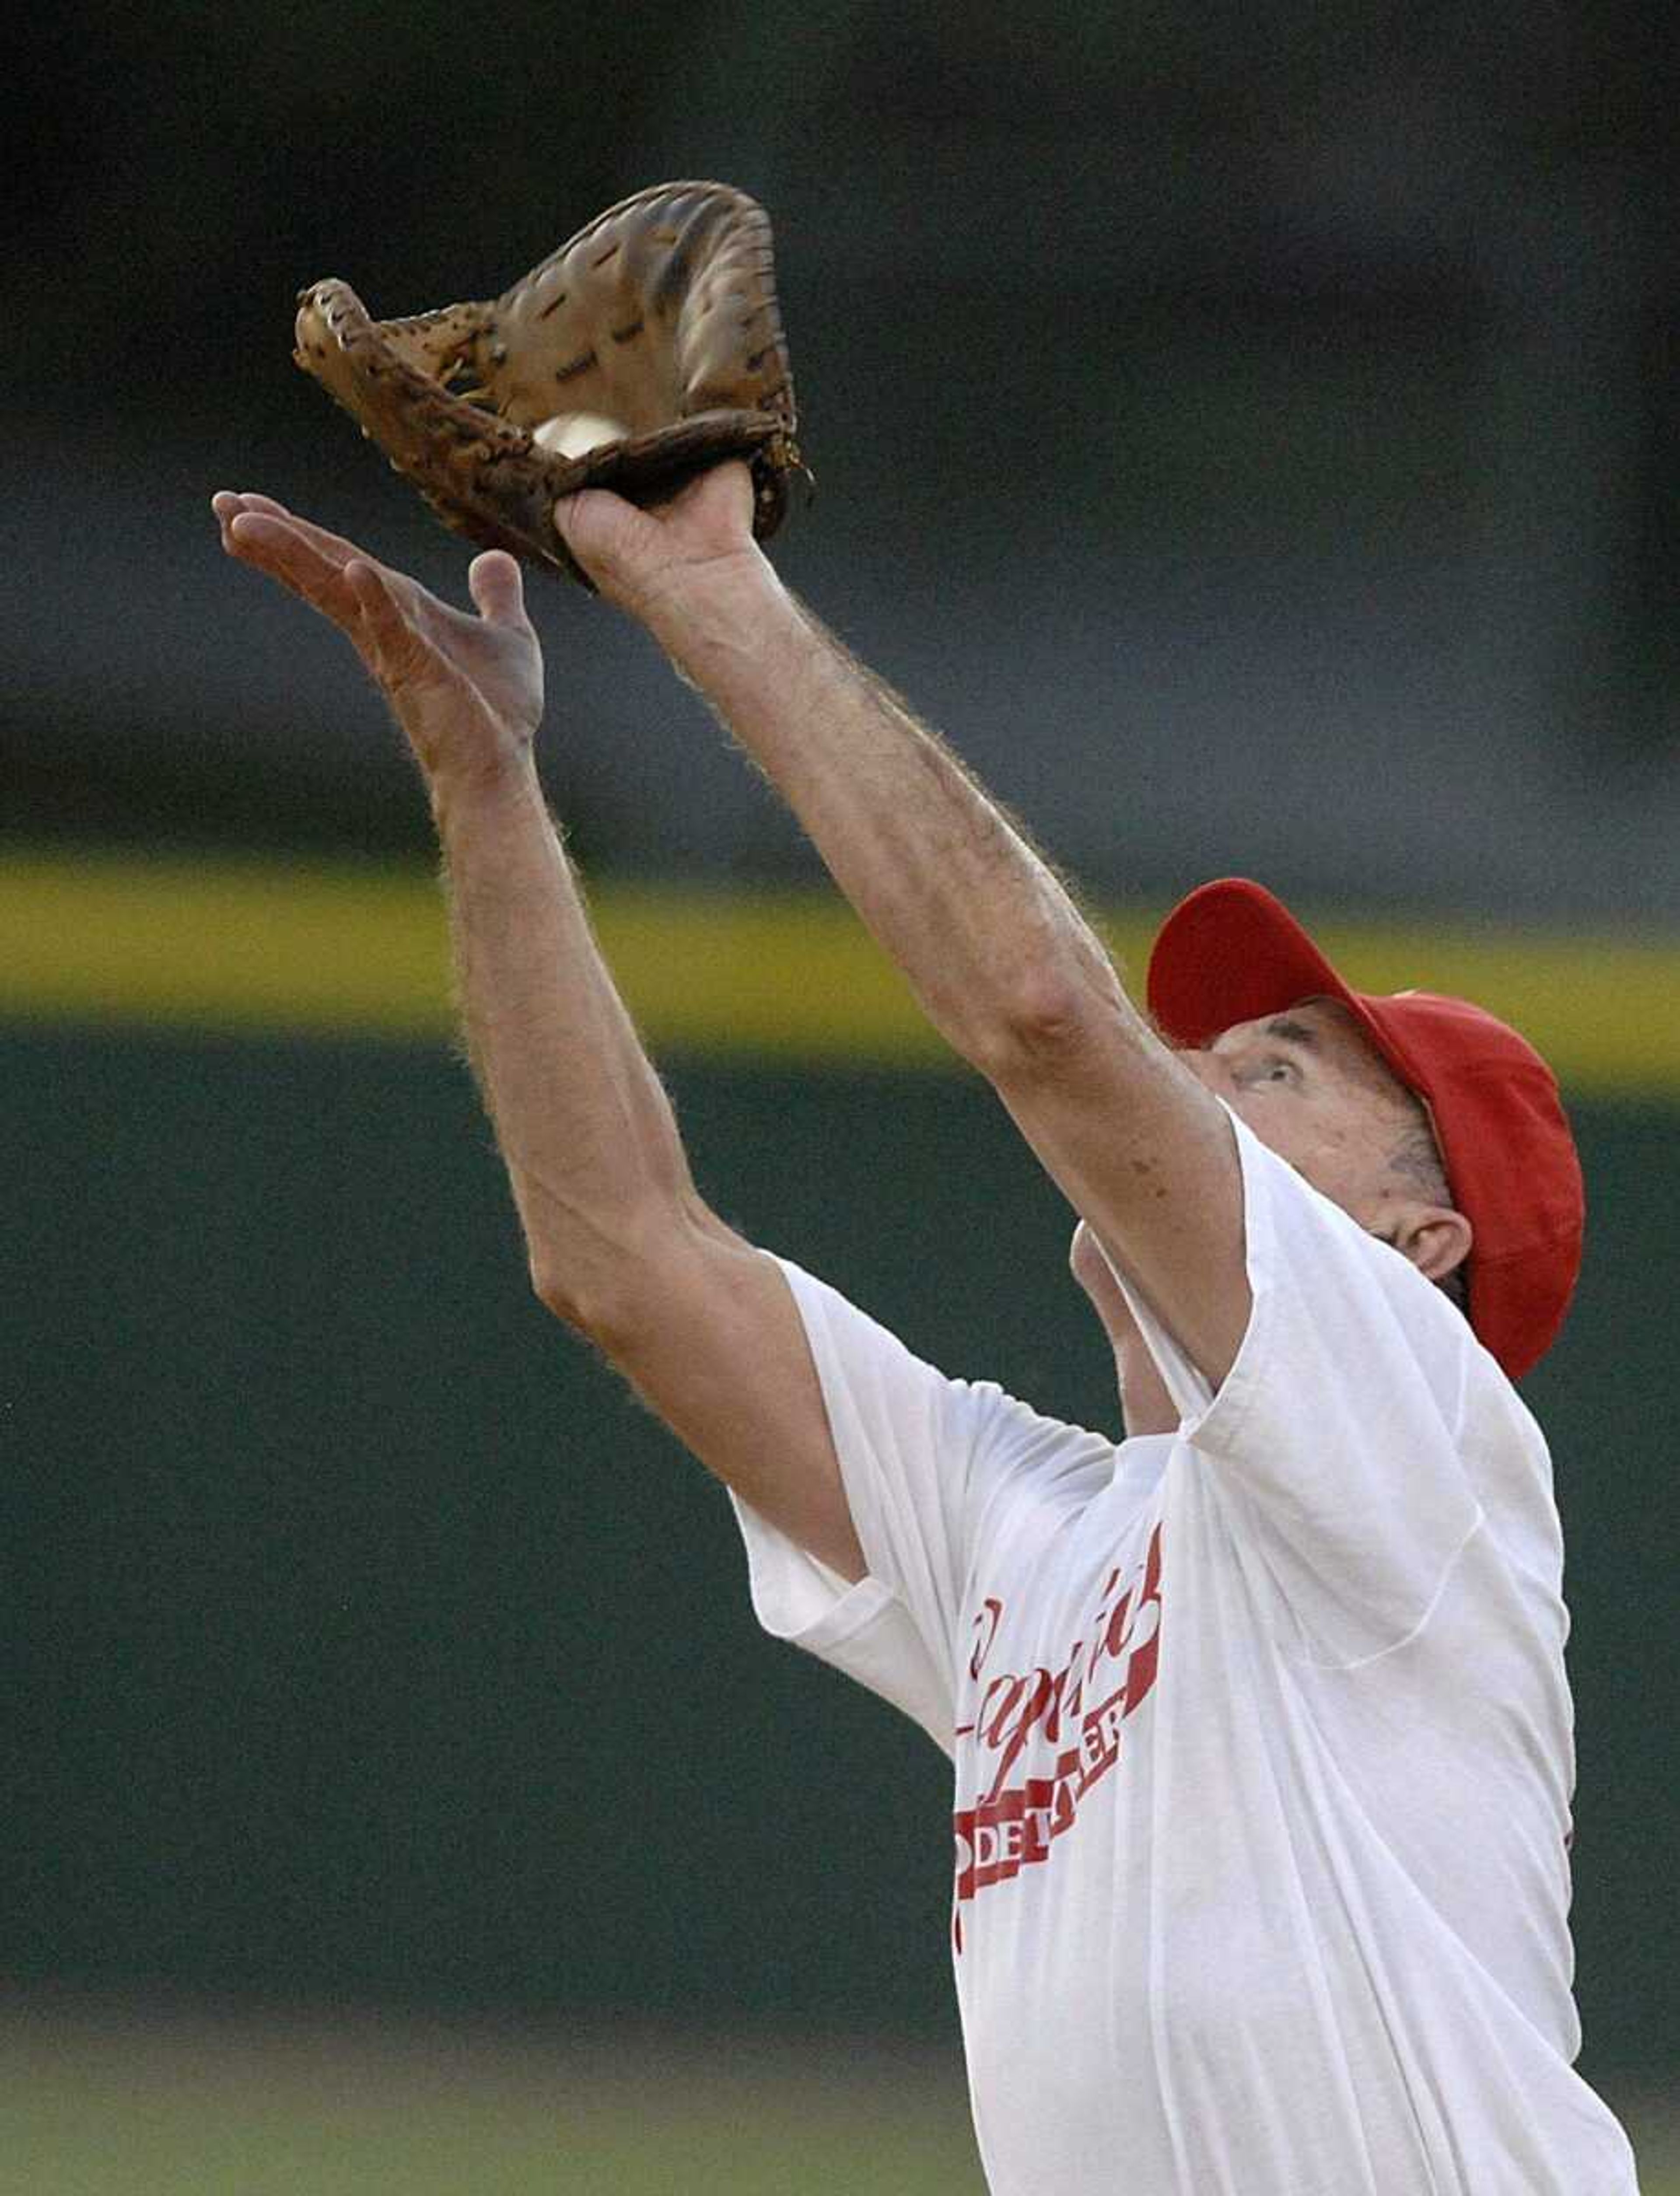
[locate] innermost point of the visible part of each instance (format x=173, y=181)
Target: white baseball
x=574, y=434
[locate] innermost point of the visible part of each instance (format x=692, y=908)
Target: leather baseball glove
x=646, y=349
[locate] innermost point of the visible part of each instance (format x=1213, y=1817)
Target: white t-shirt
x=1261, y=1735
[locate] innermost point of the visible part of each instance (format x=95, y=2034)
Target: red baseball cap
x=1231, y=953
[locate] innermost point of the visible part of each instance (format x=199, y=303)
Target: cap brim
x=1231, y=953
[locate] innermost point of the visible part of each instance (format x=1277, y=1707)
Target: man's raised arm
x=619, y=1242
x=999, y=957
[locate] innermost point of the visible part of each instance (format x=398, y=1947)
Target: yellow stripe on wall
x=339, y=948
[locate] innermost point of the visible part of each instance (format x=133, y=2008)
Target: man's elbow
x=613, y=1287
x=606, y=1307
x=556, y=1290
x=591, y=1288
x=1048, y=1019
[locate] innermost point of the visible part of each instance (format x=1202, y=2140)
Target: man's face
x=1310, y=1084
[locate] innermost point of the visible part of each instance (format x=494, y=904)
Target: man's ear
x=1436, y=1238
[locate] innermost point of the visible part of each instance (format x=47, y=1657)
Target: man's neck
x=1145, y=1402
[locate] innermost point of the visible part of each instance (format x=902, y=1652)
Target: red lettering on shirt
x=1014, y=1825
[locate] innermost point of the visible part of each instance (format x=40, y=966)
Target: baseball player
x=1258, y=1720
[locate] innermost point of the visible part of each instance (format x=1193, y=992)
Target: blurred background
x=1249, y=432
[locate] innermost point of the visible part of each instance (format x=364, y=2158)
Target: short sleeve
x=1336, y=1432
x=929, y=1464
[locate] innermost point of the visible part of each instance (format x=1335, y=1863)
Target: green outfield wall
x=364, y=1641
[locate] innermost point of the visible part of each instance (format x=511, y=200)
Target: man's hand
x=467, y=690
x=674, y=558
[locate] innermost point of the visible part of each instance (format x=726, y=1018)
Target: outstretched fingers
x=305, y=558
x=373, y=607
x=228, y=505
x=276, y=547
x=465, y=690
x=405, y=636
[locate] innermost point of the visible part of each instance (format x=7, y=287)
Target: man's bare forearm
x=585, y=1128
x=985, y=933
